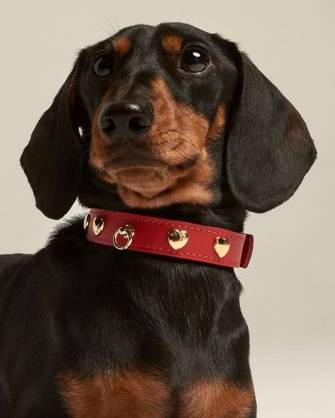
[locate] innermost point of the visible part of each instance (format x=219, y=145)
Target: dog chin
x=152, y=187
x=147, y=183
x=142, y=199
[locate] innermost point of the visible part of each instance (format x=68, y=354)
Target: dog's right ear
x=54, y=158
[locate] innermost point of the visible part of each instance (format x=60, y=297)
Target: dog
x=167, y=125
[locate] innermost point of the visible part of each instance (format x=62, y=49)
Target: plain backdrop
x=290, y=286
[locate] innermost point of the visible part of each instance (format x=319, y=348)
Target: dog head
x=157, y=116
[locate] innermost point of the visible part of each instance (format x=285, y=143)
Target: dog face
x=169, y=115
x=157, y=114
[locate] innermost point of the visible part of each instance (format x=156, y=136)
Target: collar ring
x=125, y=234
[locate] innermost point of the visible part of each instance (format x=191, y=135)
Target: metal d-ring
x=126, y=231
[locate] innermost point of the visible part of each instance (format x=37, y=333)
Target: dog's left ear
x=53, y=159
x=269, y=149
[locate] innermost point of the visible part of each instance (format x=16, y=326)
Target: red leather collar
x=172, y=238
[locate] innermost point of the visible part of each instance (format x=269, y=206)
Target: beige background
x=290, y=286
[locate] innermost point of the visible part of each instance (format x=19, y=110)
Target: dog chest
x=139, y=394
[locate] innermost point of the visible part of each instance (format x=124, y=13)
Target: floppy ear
x=269, y=149
x=53, y=159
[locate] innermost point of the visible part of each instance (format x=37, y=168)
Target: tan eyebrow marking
x=172, y=43
x=122, y=45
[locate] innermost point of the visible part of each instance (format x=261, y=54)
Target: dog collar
x=171, y=238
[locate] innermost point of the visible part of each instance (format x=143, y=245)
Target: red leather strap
x=151, y=235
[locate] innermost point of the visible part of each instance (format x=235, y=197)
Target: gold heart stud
x=177, y=239
x=87, y=220
x=221, y=246
x=98, y=225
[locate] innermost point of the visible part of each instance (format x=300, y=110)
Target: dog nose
x=126, y=119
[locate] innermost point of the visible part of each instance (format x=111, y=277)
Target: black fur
x=79, y=306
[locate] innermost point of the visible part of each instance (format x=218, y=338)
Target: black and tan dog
x=166, y=121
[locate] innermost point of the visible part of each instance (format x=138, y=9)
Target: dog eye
x=103, y=65
x=194, y=60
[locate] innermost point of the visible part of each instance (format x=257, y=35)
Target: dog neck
x=227, y=213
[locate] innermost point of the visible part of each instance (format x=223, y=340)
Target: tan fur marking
x=191, y=187
x=178, y=131
x=121, y=45
x=116, y=395
x=216, y=399
x=178, y=134
x=172, y=43
x=218, y=123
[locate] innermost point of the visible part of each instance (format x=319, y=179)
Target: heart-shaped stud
x=177, y=239
x=221, y=246
x=98, y=225
x=87, y=220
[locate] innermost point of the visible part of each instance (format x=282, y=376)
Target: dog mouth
x=145, y=177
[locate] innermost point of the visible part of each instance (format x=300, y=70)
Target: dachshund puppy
x=162, y=121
